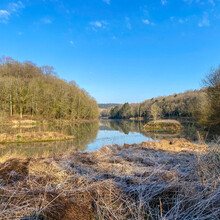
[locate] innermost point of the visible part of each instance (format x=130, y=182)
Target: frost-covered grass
x=165, y=180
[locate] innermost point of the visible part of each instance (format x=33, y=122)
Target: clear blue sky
x=117, y=50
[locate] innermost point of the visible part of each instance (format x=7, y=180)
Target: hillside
x=108, y=105
x=29, y=90
x=176, y=105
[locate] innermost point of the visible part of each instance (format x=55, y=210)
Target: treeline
x=177, y=105
x=202, y=105
x=108, y=105
x=27, y=89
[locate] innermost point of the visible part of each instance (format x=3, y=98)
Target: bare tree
x=37, y=91
x=156, y=111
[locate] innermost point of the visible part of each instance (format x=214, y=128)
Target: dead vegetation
x=163, y=126
x=26, y=137
x=147, y=181
x=26, y=122
x=177, y=145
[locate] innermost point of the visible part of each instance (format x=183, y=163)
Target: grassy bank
x=165, y=180
x=37, y=121
x=28, y=137
x=163, y=126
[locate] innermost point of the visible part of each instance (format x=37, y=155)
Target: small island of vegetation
x=28, y=137
x=163, y=126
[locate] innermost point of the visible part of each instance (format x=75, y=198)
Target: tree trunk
x=11, y=107
x=21, y=112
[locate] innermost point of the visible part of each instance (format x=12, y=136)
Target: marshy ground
x=154, y=180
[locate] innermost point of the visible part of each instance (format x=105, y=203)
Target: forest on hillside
x=201, y=105
x=108, y=105
x=177, y=105
x=29, y=90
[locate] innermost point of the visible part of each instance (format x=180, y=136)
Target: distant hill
x=108, y=105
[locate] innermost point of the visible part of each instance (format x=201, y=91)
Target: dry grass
x=147, y=181
x=33, y=137
x=22, y=156
x=171, y=121
x=176, y=145
x=24, y=121
x=166, y=126
x=10, y=156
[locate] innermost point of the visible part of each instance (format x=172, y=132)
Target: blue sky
x=117, y=50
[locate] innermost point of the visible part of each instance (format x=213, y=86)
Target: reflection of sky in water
x=106, y=137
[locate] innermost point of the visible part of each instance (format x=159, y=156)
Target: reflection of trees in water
x=83, y=134
x=190, y=131
x=126, y=126
x=65, y=128
x=158, y=136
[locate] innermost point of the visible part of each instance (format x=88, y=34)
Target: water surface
x=89, y=136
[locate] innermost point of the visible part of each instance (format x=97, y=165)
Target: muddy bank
x=147, y=181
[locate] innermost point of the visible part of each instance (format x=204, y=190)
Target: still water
x=88, y=136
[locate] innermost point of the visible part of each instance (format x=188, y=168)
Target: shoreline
x=42, y=122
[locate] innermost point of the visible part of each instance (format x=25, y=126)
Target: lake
x=89, y=136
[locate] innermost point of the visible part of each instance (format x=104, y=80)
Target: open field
x=153, y=180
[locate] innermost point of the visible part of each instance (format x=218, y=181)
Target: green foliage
x=125, y=111
x=122, y=112
x=27, y=89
